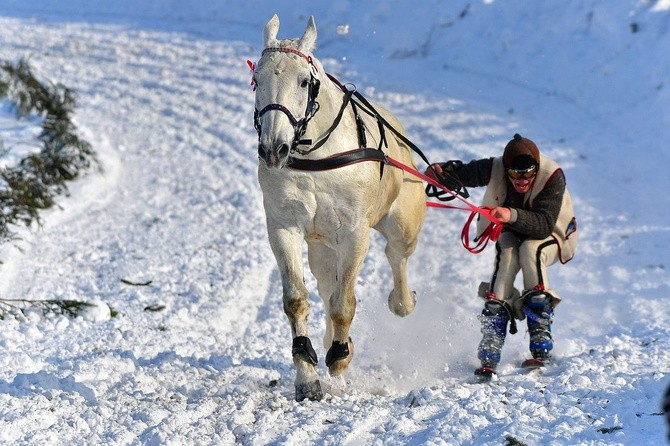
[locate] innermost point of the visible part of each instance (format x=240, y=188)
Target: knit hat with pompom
x=520, y=153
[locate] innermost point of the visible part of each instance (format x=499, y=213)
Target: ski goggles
x=525, y=174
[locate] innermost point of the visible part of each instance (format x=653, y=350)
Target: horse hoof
x=311, y=391
x=402, y=307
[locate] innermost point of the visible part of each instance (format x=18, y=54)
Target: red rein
x=492, y=231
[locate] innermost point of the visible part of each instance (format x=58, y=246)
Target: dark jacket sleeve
x=476, y=173
x=539, y=221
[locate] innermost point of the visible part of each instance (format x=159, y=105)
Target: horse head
x=287, y=82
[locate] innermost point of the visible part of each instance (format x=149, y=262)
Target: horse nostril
x=283, y=149
x=262, y=150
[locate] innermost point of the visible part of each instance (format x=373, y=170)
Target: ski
x=489, y=374
x=534, y=363
x=485, y=374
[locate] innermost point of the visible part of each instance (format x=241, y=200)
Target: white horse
x=313, y=192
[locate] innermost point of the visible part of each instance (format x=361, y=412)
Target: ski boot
x=539, y=315
x=494, y=320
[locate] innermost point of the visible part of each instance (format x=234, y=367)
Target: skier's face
x=522, y=179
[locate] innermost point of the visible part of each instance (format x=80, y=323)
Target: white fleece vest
x=565, y=231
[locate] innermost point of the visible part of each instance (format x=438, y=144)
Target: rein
x=492, y=231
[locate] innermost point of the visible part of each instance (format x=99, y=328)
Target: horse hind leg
x=339, y=357
x=401, y=229
x=401, y=300
x=352, y=249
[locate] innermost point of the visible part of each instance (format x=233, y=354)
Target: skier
x=527, y=192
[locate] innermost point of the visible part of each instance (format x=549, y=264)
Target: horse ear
x=270, y=32
x=308, y=39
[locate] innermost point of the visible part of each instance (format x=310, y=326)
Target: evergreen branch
x=511, y=441
x=66, y=307
x=34, y=184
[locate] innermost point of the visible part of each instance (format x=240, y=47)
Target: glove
x=448, y=178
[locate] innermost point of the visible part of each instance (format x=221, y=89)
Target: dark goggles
x=526, y=174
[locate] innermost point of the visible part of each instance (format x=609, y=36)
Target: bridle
x=299, y=125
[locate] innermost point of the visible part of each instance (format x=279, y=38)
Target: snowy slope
x=164, y=98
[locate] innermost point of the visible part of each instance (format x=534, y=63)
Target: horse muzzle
x=275, y=157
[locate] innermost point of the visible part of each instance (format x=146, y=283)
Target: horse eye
x=304, y=83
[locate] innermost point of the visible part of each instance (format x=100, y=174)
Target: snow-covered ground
x=18, y=137
x=164, y=98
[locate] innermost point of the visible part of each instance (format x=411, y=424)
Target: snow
x=164, y=98
x=18, y=137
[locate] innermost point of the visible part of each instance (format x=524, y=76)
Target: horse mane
x=291, y=43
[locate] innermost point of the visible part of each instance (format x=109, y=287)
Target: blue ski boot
x=494, y=320
x=539, y=315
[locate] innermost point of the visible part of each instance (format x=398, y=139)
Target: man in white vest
x=527, y=193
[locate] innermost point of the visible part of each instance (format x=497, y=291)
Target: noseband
x=299, y=125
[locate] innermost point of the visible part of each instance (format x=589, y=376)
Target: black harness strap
x=360, y=132
x=454, y=184
x=363, y=153
x=335, y=161
x=323, y=138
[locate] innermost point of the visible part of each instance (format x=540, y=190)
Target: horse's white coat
x=331, y=210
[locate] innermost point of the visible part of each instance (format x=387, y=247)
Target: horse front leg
x=287, y=248
x=351, y=253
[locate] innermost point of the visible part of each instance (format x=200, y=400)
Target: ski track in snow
x=178, y=204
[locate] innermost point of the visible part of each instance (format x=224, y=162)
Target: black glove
x=449, y=180
x=451, y=166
